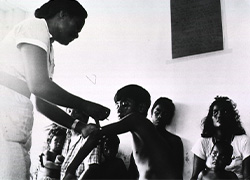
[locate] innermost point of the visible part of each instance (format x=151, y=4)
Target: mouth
x=120, y=116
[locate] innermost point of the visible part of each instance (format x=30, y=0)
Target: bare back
x=152, y=153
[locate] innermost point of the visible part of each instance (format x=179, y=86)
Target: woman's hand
x=96, y=111
x=80, y=116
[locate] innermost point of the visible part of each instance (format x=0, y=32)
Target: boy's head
x=132, y=98
x=162, y=112
x=111, y=146
x=56, y=138
x=220, y=156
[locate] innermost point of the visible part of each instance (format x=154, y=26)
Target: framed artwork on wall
x=196, y=27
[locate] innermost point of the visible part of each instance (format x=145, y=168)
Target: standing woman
x=26, y=67
x=223, y=124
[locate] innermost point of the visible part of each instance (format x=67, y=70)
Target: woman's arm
x=59, y=116
x=39, y=83
x=246, y=168
x=198, y=165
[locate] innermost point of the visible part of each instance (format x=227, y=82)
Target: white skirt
x=16, y=122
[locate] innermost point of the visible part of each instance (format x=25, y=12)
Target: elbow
x=36, y=89
x=40, y=106
x=37, y=86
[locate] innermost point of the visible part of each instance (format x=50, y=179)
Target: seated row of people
x=157, y=153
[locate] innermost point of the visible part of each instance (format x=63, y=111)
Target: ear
x=62, y=14
x=142, y=108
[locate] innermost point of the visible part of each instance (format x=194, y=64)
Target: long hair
x=232, y=124
x=52, y=7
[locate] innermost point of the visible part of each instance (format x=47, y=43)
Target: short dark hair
x=226, y=149
x=136, y=93
x=52, y=7
x=112, y=139
x=167, y=103
x=56, y=130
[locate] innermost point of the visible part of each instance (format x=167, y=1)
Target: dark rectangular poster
x=196, y=27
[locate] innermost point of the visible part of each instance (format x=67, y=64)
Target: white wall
x=129, y=41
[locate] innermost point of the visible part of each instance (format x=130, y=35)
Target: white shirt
x=241, y=150
x=32, y=31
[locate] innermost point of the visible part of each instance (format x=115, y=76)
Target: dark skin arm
x=39, y=83
x=56, y=114
x=246, y=168
x=198, y=165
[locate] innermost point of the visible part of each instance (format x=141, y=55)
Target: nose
x=159, y=115
x=76, y=36
x=219, y=114
x=118, y=107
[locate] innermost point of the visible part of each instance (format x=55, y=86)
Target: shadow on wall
x=188, y=159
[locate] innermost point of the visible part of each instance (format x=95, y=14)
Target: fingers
x=103, y=113
x=80, y=116
x=88, y=129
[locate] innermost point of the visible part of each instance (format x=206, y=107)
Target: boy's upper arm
x=120, y=127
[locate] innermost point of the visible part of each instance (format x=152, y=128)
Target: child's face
x=110, y=150
x=217, y=159
x=56, y=143
x=124, y=107
x=159, y=116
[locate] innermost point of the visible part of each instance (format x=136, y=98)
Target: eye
x=124, y=104
x=156, y=113
x=215, y=112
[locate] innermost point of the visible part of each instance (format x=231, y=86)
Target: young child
x=151, y=152
x=220, y=157
x=52, y=159
x=111, y=166
x=74, y=142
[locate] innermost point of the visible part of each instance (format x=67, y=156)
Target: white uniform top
x=16, y=110
x=32, y=31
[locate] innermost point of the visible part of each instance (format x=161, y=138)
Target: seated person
x=151, y=152
x=162, y=114
x=73, y=144
x=111, y=166
x=52, y=159
x=219, y=158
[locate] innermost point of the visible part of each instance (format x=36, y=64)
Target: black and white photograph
x=124, y=89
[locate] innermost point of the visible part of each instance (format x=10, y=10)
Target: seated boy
x=151, y=152
x=111, y=166
x=220, y=157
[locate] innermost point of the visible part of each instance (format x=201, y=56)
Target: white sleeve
x=245, y=147
x=198, y=149
x=33, y=31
